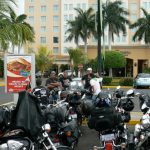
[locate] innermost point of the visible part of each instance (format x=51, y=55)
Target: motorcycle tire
x=63, y=148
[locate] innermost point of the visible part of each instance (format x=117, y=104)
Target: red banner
x=18, y=73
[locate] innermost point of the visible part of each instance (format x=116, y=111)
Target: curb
x=125, y=87
x=131, y=122
x=2, y=84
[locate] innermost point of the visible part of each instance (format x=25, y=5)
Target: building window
x=43, y=28
x=65, y=17
x=55, y=18
x=65, y=50
x=124, y=38
x=55, y=50
x=43, y=19
x=65, y=6
x=55, y=39
x=78, y=5
x=65, y=37
x=145, y=5
x=43, y=9
x=70, y=6
x=55, y=8
x=55, y=29
x=133, y=7
x=133, y=17
x=70, y=17
x=43, y=1
x=43, y=40
x=31, y=9
x=84, y=6
x=31, y=19
x=118, y=39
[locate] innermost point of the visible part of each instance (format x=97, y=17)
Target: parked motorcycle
x=142, y=130
x=27, y=129
x=109, y=121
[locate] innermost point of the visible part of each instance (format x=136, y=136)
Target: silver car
x=142, y=80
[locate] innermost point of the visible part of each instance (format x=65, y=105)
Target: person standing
x=65, y=80
x=86, y=79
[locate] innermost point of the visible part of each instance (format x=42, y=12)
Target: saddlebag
x=104, y=118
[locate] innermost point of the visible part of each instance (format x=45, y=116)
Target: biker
x=52, y=84
x=95, y=88
x=86, y=78
x=41, y=92
x=65, y=80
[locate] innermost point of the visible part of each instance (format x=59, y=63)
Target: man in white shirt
x=96, y=88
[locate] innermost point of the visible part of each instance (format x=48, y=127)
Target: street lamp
x=99, y=36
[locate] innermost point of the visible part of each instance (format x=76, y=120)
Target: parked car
x=38, y=74
x=69, y=73
x=142, y=80
x=46, y=74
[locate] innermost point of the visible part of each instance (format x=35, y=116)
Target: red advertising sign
x=18, y=72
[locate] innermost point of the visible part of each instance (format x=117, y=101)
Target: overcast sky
x=20, y=9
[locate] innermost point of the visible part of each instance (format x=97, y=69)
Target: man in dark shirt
x=52, y=82
x=65, y=80
x=86, y=78
x=41, y=92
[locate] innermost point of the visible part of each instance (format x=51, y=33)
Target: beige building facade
x=49, y=19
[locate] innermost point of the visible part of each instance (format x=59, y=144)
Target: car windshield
x=143, y=76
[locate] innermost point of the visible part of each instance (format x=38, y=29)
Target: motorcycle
x=64, y=128
x=110, y=121
x=142, y=131
x=27, y=129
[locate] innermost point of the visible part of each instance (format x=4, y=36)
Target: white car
x=69, y=73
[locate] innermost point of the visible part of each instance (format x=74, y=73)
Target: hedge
x=126, y=82
x=107, y=80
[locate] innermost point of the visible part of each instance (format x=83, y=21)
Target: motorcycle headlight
x=123, y=145
x=68, y=133
x=142, y=137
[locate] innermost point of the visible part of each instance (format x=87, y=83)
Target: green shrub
x=126, y=82
x=146, y=70
x=107, y=80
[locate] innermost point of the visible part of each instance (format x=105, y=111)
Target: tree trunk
x=13, y=49
x=109, y=47
x=109, y=40
x=85, y=46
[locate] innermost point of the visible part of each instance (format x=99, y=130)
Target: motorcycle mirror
x=46, y=127
x=129, y=92
x=118, y=87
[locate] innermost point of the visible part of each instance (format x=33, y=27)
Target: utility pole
x=99, y=37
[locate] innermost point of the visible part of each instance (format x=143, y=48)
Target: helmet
x=119, y=93
x=127, y=105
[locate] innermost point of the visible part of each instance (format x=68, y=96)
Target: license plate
x=74, y=116
x=108, y=137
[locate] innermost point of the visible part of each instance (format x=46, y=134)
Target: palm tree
x=6, y=6
x=143, y=28
x=24, y=32
x=73, y=31
x=15, y=30
x=115, y=19
x=86, y=20
x=82, y=26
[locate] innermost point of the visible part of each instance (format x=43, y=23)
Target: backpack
x=104, y=118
